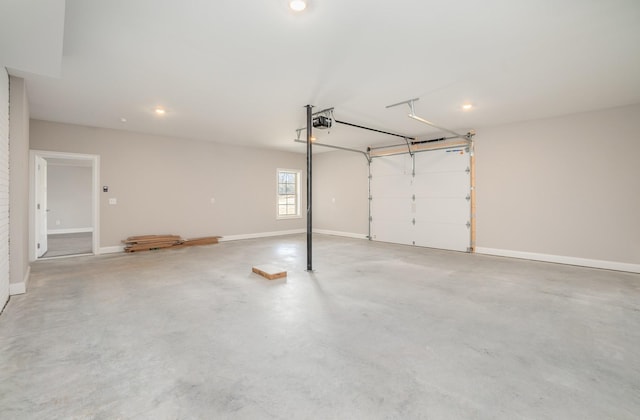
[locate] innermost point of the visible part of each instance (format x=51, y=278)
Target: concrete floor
x=62, y=244
x=379, y=331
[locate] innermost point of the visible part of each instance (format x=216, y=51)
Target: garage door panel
x=398, y=232
x=453, y=210
x=442, y=184
x=441, y=160
x=392, y=209
x=455, y=237
x=391, y=186
x=392, y=165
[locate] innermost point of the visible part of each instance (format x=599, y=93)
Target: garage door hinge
x=38, y=245
x=468, y=170
x=468, y=197
x=370, y=198
x=413, y=222
x=370, y=176
x=468, y=225
x=413, y=197
x=370, y=219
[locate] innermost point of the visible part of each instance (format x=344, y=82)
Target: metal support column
x=370, y=198
x=309, y=175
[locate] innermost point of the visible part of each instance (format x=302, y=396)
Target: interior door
x=41, y=206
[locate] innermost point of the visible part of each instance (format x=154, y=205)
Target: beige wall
x=69, y=197
x=340, y=192
x=565, y=186
x=19, y=183
x=165, y=185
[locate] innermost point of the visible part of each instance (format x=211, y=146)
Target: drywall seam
x=343, y=234
x=560, y=259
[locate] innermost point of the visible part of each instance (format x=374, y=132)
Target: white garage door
x=422, y=200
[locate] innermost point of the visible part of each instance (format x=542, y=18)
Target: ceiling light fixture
x=298, y=5
x=160, y=111
x=123, y=119
x=467, y=107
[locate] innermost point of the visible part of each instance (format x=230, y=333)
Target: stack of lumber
x=152, y=242
x=207, y=240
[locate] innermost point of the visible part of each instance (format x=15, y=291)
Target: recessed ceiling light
x=160, y=111
x=467, y=107
x=123, y=119
x=298, y=5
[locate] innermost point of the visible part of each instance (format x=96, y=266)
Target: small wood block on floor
x=270, y=272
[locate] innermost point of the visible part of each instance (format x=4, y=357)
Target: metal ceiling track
x=412, y=114
x=329, y=113
x=418, y=146
x=331, y=146
x=411, y=145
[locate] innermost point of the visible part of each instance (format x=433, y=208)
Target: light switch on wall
x=113, y=201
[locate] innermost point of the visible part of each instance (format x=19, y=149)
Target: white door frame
x=41, y=207
x=95, y=198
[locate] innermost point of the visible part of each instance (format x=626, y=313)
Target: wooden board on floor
x=270, y=272
x=149, y=246
x=209, y=240
x=151, y=238
x=151, y=242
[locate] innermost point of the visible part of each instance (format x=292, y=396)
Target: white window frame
x=298, y=174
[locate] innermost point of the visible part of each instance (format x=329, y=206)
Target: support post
x=309, y=178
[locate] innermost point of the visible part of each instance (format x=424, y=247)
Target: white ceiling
x=31, y=34
x=241, y=72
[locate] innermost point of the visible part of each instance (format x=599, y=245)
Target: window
x=288, y=193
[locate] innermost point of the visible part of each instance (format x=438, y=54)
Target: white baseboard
x=73, y=230
x=20, y=288
x=111, y=249
x=17, y=289
x=261, y=235
x=584, y=262
x=343, y=234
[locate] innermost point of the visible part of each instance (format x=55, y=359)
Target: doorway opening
x=64, y=205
